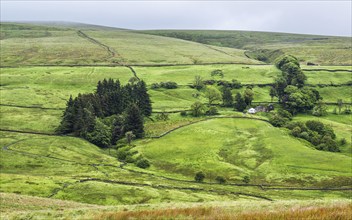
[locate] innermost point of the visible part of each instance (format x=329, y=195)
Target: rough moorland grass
x=33, y=45
x=234, y=148
x=326, y=50
x=341, y=211
x=137, y=48
x=14, y=206
x=57, y=47
x=19, y=206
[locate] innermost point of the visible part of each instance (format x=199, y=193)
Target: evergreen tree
x=68, y=118
x=134, y=121
x=227, y=99
x=100, y=135
x=240, y=104
x=84, y=112
x=117, y=129
x=143, y=99
x=272, y=93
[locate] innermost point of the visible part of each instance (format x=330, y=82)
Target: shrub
x=183, y=113
x=236, y=84
x=246, y=179
x=343, y=141
x=284, y=113
x=168, y=85
x=315, y=126
x=155, y=86
x=142, y=163
x=277, y=120
x=129, y=159
x=217, y=72
x=304, y=135
x=220, y=179
x=123, y=152
x=199, y=177
x=212, y=111
x=296, y=131
x=197, y=109
x=162, y=116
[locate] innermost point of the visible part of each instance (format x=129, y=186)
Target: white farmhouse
x=252, y=111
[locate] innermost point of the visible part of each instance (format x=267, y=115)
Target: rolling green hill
x=42, y=64
x=33, y=44
x=267, y=46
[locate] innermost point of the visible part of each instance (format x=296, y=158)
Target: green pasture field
x=234, y=148
x=332, y=94
x=52, y=86
x=184, y=75
x=30, y=119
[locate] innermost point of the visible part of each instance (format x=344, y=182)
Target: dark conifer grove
x=103, y=117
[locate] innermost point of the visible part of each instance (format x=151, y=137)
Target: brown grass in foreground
x=342, y=212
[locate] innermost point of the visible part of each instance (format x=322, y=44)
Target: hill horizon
x=71, y=23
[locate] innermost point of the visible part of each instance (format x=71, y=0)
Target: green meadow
x=49, y=176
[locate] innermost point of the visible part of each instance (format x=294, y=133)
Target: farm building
x=252, y=111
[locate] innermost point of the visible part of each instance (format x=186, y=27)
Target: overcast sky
x=311, y=17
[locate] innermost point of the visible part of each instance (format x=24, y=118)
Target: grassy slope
x=234, y=148
x=56, y=47
x=41, y=172
x=148, y=49
x=38, y=44
x=318, y=49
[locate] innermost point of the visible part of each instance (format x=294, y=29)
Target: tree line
x=109, y=114
x=290, y=87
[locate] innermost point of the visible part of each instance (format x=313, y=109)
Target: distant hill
x=267, y=46
x=57, y=43
x=61, y=43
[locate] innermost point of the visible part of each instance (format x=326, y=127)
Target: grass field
x=58, y=209
x=215, y=147
x=322, y=50
x=75, y=179
x=38, y=44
